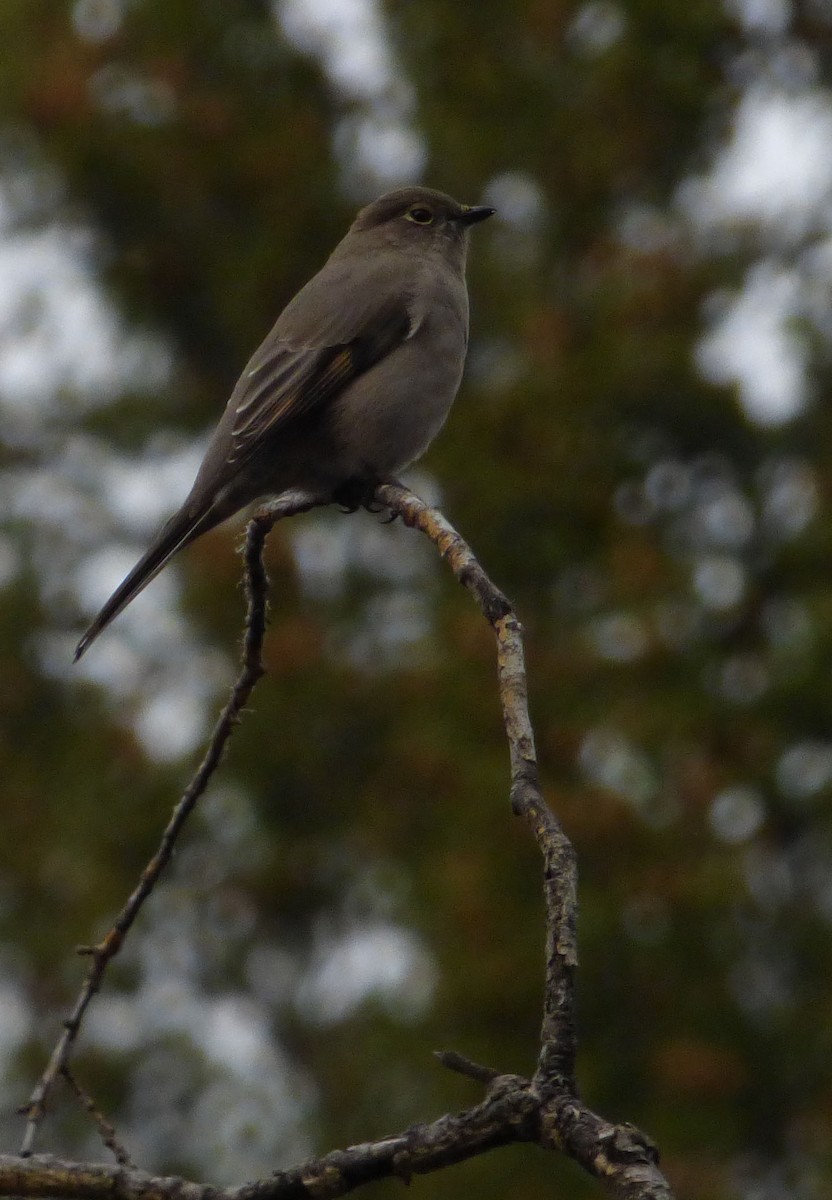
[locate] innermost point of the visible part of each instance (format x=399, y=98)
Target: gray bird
x=353, y=382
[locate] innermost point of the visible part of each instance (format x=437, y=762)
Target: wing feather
x=285, y=383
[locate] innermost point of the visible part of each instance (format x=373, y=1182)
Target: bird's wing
x=318, y=347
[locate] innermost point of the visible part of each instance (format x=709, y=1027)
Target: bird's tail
x=182, y=528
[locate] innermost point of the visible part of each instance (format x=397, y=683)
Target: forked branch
x=545, y=1109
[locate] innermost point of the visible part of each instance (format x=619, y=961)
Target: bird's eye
x=421, y=216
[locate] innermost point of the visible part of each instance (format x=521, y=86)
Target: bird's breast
x=388, y=417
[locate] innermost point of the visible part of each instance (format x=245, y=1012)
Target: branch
x=558, y=1046
x=507, y=1116
x=102, y=954
x=546, y=1109
x=622, y=1157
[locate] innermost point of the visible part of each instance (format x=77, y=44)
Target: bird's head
x=420, y=217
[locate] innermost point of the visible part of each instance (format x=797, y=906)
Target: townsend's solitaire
x=352, y=384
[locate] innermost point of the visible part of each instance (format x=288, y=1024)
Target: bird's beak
x=471, y=215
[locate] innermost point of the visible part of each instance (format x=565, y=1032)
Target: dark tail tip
x=103, y=619
x=81, y=647
x=181, y=529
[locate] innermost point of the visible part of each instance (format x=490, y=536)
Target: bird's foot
x=358, y=492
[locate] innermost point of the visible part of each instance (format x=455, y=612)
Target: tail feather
x=181, y=529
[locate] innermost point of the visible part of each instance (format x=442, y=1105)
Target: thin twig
x=105, y=1128
x=101, y=955
x=465, y=1066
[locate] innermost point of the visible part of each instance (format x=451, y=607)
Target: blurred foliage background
x=640, y=456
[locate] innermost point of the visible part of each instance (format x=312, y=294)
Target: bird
x=349, y=387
